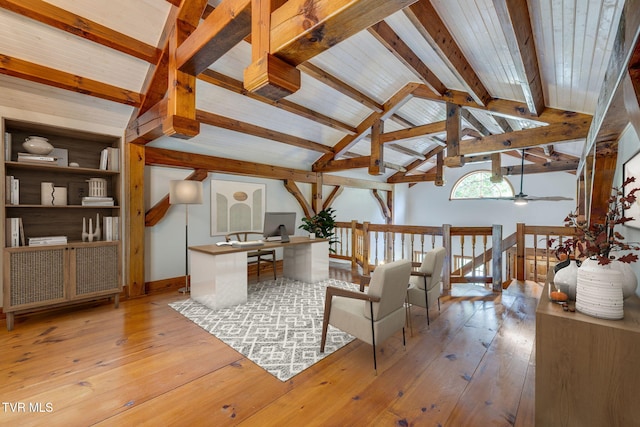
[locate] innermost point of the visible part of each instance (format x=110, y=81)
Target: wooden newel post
x=520, y=251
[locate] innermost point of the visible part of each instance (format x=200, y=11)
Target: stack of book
x=12, y=190
x=49, y=240
x=110, y=227
x=97, y=201
x=110, y=159
x=37, y=158
x=14, y=232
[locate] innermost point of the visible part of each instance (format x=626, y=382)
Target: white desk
x=219, y=273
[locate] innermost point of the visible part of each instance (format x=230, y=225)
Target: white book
x=13, y=232
x=48, y=238
x=116, y=227
x=7, y=189
x=104, y=157
x=7, y=147
x=107, y=224
x=15, y=191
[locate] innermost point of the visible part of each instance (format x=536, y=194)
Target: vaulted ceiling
x=387, y=90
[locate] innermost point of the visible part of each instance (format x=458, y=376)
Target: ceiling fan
x=523, y=199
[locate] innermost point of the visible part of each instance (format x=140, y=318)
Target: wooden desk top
x=630, y=322
x=224, y=249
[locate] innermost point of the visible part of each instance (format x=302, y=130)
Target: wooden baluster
x=473, y=256
x=376, y=257
x=411, y=245
x=535, y=257
x=485, y=262
x=402, y=240
x=459, y=267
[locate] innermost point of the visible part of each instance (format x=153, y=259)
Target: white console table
x=219, y=273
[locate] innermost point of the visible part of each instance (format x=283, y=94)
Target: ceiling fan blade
x=549, y=198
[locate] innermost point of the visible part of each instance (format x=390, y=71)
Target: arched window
x=478, y=185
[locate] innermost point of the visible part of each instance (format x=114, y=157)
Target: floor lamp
x=185, y=192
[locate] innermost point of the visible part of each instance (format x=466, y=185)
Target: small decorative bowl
x=37, y=145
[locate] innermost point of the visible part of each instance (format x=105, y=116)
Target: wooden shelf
x=586, y=368
x=60, y=169
x=59, y=207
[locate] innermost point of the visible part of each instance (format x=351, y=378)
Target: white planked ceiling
x=574, y=40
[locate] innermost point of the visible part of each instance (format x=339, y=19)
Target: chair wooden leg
x=426, y=300
x=274, y=263
x=325, y=321
x=404, y=340
x=373, y=340
x=259, y=263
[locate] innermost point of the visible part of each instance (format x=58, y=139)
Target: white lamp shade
x=185, y=192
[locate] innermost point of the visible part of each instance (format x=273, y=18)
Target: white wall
x=423, y=204
x=628, y=146
x=430, y=205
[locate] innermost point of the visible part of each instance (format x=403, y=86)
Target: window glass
x=478, y=185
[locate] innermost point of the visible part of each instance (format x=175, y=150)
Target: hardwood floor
x=145, y=364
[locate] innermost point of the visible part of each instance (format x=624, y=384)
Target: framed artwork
x=632, y=168
x=236, y=206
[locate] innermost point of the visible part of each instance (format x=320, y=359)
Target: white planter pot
x=599, y=291
x=566, y=279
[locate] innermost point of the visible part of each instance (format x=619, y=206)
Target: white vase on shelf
x=599, y=291
x=566, y=279
x=37, y=145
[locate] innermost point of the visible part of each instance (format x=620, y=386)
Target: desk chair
x=258, y=256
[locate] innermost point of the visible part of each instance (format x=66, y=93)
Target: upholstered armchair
x=372, y=316
x=425, y=283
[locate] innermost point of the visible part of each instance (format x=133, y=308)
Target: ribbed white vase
x=599, y=291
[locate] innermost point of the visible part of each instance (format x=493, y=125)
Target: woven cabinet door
x=95, y=270
x=35, y=277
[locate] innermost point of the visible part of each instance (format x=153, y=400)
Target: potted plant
x=605, y=255
x=323, y=225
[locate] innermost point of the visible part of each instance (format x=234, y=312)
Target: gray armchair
x=425, y=284
x=372, y=316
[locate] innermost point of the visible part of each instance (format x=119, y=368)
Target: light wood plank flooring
x=145, y=364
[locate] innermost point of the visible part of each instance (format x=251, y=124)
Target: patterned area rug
x=279, y=328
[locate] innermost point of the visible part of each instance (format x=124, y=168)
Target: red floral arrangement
x=599, y=240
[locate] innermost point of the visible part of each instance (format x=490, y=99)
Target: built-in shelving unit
x=36, y=277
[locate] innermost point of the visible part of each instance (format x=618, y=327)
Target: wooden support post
x=496, y=257
x=268, y=75
x=446, y=269
x=439, y=181
x=520, y=251
x=496, y=165
x=376, y=160
x=316, y=196
x=453, y=125
x=134, y=264
x=365, y=249
x=180, y=120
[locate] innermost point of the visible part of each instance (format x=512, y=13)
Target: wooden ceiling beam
x=504, y=107
x=570, y=130
x=328, y=179
x=175, y=2
x=236, y=86
x=26, y=70
x=516, y=26
x=389, y=39
x=421, y=177
x=473, y=121
x=427, y=21
x=216, y=120
x=407, y=151
x=333, y=82
x=77, y=25
x=179, y=159
x=333, y=195
x=414, y=165
x=397, y=100
x=558, y=166
x=416, y=131
x=301, y=29
x=224, y=28
x=294, y=190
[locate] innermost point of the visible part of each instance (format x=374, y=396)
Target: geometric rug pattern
x=279, y=327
